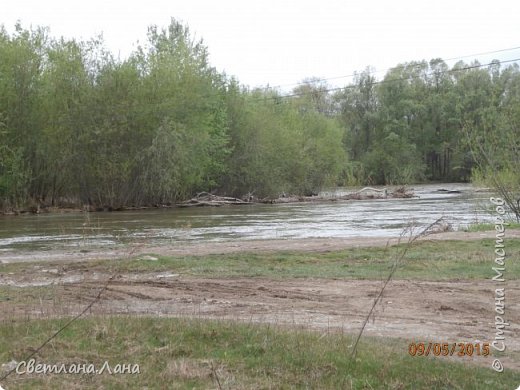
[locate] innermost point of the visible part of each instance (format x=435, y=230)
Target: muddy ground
x=83, y=253
x=421, y=311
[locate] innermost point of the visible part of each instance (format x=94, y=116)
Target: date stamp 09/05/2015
x=449, y=349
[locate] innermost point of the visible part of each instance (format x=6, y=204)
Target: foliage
x=181, y=353
x=80, y=127
x=493, y=139
x=410, y=126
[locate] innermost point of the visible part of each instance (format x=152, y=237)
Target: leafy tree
x=390, y=162
x=359, y=107
x=321, y=152
x=78, y=126
x=493, y=138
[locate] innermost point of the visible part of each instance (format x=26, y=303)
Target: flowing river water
x=462, y=206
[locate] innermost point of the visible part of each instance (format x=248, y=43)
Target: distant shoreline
x=208, y=200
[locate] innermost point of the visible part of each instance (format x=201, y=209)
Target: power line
x=387, y=69
x=335, y=89
x=328, y=90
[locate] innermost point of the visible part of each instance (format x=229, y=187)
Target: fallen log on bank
x=207, y=199
x=374, y=193
x=363, y=194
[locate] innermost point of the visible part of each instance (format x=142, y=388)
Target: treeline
x=81, y=127
x=420, y=121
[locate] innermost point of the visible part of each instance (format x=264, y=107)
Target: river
x=381, y=218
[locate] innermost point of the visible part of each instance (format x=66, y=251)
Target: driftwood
x=286, y=199
x=367, y=193
x=402, y=192
x=207, y=199
x=363, y=194
x=374, y=193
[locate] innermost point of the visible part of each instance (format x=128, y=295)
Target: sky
x=282, y=42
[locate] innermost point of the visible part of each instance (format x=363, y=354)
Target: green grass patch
x=424, y=260
x=192, y=354
x=485, y=227
x=434, y=260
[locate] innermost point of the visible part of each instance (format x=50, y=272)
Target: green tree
x=492, y=135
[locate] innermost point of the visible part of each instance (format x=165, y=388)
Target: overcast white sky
x=280, y=42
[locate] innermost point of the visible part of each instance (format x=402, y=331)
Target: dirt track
x=460, y=311
x=448, y=311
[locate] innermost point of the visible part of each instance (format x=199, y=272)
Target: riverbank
x=441, y=292
x=311, y=296
x=205, y=199
x=202, y=248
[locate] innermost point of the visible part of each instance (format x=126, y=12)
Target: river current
x=460, y=206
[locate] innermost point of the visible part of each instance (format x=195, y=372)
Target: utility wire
x=277, y=96
x=386, y=70
x=336, y=89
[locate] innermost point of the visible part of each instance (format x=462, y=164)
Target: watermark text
x=499, y=268
x=33, y=367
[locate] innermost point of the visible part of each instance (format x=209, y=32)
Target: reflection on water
x=385, y=217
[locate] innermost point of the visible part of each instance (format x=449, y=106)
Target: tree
x=493, y=138
x=359, y=114
x=78, y=126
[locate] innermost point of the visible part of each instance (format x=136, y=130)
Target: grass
x=484, y=227
x=433, y=261
x=426, y=260
x=192, y=354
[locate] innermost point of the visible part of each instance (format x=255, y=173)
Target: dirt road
x=454, y=311
x=421, y=311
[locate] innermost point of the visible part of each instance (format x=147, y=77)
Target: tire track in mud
x=445, y=311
